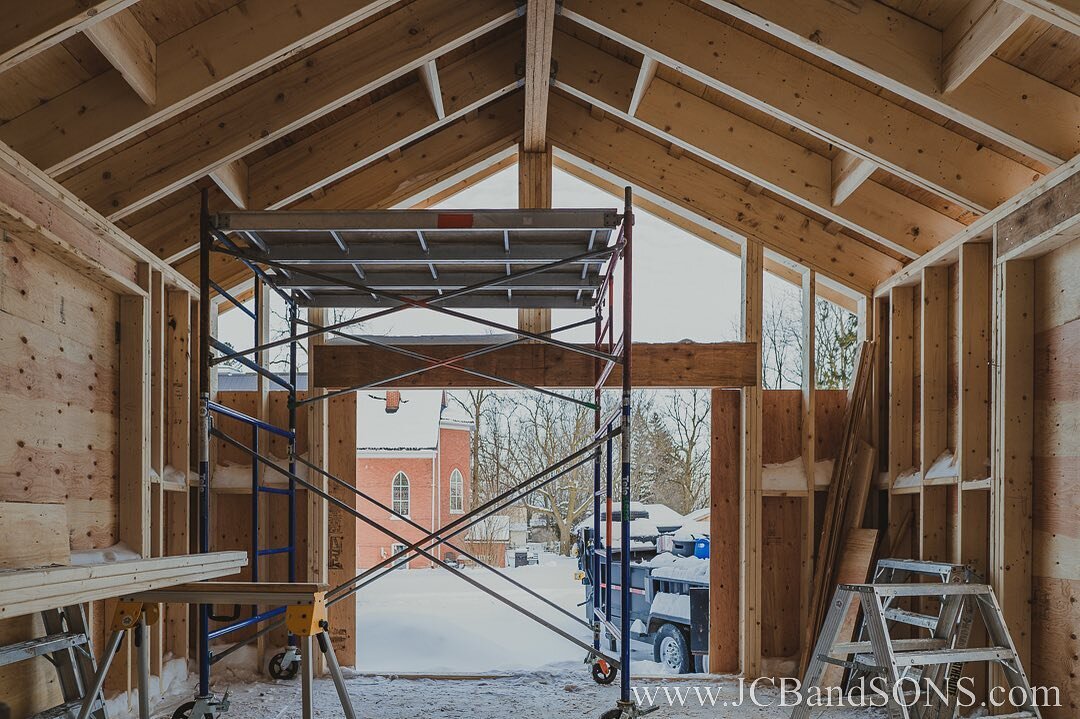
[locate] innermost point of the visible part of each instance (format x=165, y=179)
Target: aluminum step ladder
x=901, y=662
x=66, y=645
x=899, y=571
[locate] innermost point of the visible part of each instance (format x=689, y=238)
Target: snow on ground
x=429, y=621
x=558, y=690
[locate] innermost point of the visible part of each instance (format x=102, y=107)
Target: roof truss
x=825, y=105
x=906, y=56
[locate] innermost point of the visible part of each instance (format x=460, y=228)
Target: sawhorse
x=305, y=617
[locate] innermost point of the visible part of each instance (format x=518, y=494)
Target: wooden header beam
x=683, y=364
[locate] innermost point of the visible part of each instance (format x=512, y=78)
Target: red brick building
x=413, y=454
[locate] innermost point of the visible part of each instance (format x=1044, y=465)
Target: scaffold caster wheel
x=603, y=673
x=183, y=711
x=281, y=670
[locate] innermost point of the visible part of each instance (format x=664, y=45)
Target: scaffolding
x=448, y=262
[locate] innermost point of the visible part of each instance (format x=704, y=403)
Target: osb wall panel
x=58, y=358
x=1056, y=501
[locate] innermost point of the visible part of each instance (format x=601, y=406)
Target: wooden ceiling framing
x=852, y=138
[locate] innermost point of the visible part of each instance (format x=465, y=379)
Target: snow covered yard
x=426, y=621
x=562, y=690
x=429, y=621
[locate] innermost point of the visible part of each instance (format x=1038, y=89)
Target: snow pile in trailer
x=672, y=605
x=691, y=531
x=668, y=566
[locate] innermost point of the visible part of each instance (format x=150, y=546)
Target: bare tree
x=544, y=430
x=687, y=412
x=835, y=343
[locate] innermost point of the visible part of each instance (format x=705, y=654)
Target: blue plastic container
x=701, y=548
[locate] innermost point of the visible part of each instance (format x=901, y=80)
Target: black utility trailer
x=669, y=612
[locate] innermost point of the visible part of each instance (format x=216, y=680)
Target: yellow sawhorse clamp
x=135, y=617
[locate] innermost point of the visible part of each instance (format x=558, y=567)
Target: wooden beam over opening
x=687, y=364
x=539, y=30
x=130, y=49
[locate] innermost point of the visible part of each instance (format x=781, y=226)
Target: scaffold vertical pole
x=204, y=431
x=597, y=486
x=624, y=616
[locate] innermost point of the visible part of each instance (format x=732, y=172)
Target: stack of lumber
x=26, y=591
x=844, y=547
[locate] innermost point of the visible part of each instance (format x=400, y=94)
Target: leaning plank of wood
x=26, y=591
x=854, y=568
x=680, y=364
x=835, y=522
x=275, y=593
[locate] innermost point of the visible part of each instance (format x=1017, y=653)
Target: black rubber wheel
x=277, y=671
x=612, y=714
x=671, y=649
x=183, y=711
x=603, y=673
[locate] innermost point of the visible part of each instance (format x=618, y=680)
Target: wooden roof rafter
x=907, y=57
x=32, y=27
x=765, y=158
x=354, y=141
x=426, y=163
x=192, y=67
x=147, y=169
x=825, y=105
x=690, y=184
